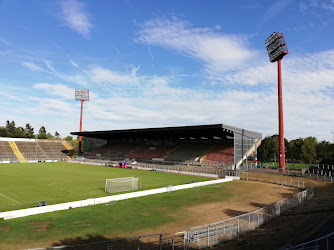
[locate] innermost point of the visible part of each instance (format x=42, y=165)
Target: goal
x=121, y=184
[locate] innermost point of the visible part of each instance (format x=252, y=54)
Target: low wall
x=94, y=201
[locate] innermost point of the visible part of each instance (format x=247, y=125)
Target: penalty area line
x=10, y=199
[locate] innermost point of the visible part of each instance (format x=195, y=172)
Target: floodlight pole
x=277, y=49
x=80, y=137
x=280, y=120
x=81, y=95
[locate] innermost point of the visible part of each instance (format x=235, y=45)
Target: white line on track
x=10, y=199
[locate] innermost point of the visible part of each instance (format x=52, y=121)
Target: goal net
x=121, y=184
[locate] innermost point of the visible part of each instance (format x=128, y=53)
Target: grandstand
x=32, y=150
x=213, y=145
x=220, y=153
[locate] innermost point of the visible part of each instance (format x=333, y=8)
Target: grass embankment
x=291, y=166
x=23, y=185
x=118, y=219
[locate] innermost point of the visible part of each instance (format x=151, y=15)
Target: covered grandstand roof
x=196, y=132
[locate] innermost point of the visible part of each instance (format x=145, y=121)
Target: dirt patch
x=78, y=223
x=6, y=229
x=40, y=226
x=252, y=196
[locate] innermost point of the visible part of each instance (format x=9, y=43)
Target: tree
x=268, y=149
x=49, y=136
x=325, y=152
x=308, y=149
x=68, y=138
x=56, y=134
x=18, y=133
x=29, y=131
x=10, y=126
x=75, y=144
x=42, y=133
x=295, y=150
x=3, y=132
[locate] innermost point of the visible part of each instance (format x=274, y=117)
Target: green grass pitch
x=23, y=185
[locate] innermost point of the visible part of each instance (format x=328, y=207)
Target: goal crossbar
x=121, y=184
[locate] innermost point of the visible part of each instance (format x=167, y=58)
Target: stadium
x=131, y=174
x=158, y=167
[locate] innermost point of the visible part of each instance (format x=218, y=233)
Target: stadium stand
x=53, y=149
x=22, y=149
x=16, y=151
x=6, y=152
x=101, y=150
x=31, y=151
x=149, y=152
x=188, y=152
x=200, y=145
x=220, y=153
x=120, y=151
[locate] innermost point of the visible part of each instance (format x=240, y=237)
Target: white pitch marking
x=10, y=199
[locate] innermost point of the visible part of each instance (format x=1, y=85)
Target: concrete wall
x=88, y=202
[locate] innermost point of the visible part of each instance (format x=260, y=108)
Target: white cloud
x=60, y=90
x=75, y=16
x=315, y=6
x=74, y=64
x=77, y=79
x=308, y=72
x=107, y=76
x=50, y=106
x=217, y=50
x=5, y=42
x=9, y=96
x=32, y=66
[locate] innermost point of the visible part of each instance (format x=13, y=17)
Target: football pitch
x=23, y=185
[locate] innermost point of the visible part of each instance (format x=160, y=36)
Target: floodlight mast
x=81, y=95
x=277, y=49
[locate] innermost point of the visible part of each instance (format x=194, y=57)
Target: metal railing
x=149, y=242
x=312, y=174
x=325, y=242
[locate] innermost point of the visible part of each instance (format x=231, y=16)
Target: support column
x=80, y=137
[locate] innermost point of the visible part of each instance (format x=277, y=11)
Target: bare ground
x=252, y=195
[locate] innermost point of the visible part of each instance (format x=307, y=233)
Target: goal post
x=121, y=184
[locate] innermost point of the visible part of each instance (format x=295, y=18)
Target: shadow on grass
x=156, y=241
x=232, y=212
x=258, y=205
x=81, y=240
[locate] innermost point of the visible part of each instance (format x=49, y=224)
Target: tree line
x=301, y=150
x=10, y=130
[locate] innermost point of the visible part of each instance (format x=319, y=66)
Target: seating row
x=209, y=153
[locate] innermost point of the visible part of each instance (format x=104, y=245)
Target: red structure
x=277, y=49
x=81, y=95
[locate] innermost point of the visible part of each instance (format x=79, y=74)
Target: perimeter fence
x=148, y=242
x=217, y=232
x=311, y=174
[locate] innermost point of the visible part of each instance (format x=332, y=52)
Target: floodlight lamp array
x=81, y=94
x=276, y=46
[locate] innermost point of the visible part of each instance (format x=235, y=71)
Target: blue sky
x=166, y=63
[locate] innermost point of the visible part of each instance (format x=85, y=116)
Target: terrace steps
x=16, y=151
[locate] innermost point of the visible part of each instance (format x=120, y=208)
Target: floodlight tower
x=277, y=49
x=81, y=95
